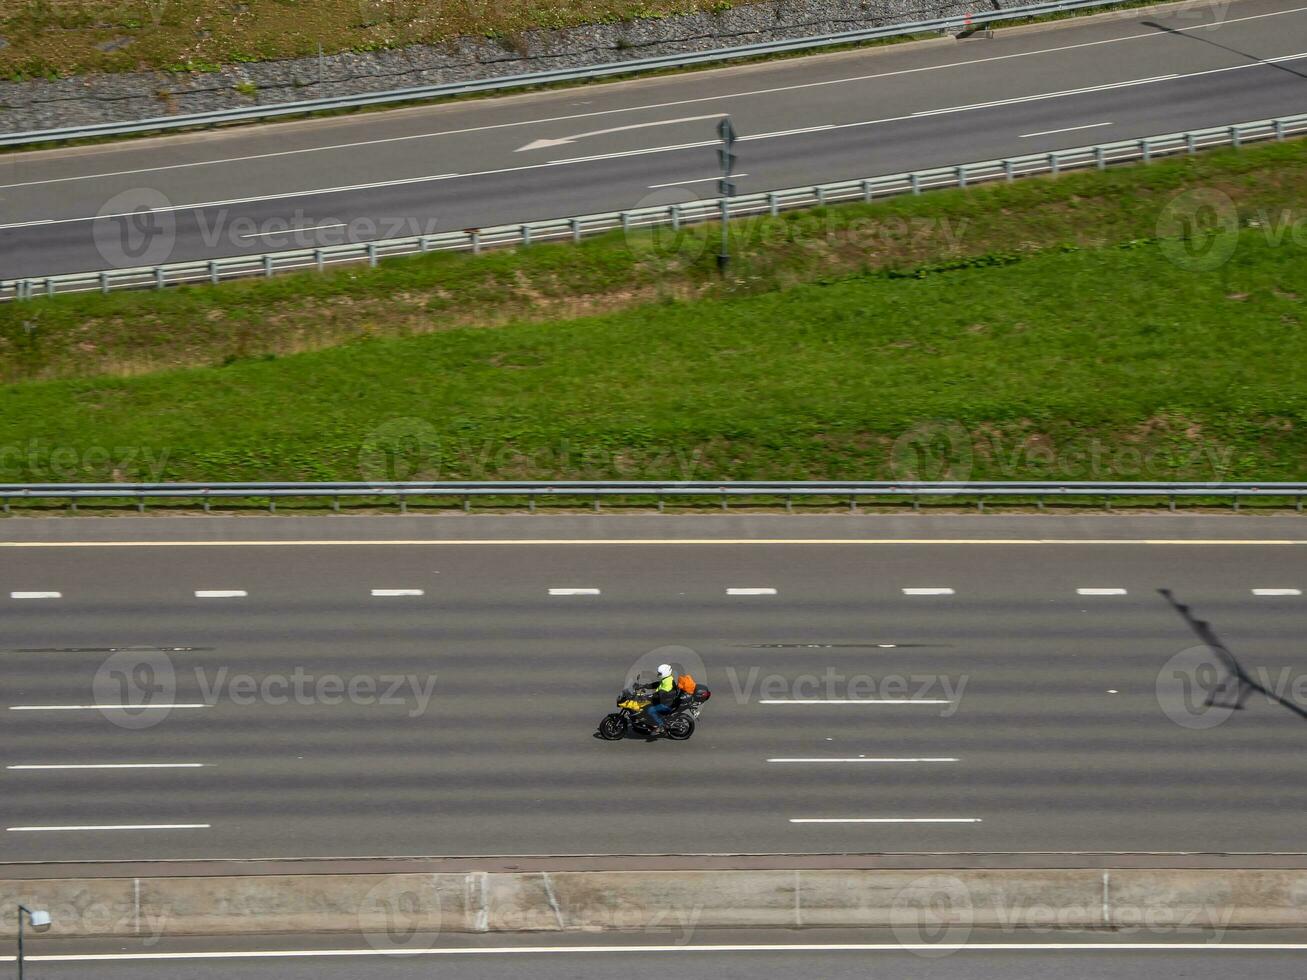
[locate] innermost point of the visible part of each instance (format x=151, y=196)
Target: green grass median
x=1044, y=330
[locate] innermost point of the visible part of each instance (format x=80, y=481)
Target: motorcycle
x=630, y=719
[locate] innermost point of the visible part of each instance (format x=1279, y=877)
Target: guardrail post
x=916, y=504
x=866, y=190
x=372, y=254
x=675, y=215
x=49, y=286
x=596, y=504
x=1145, y=151
x=158, y=277
x=317, y=258
x=531, y=504
x=467, y=505
x=72, y=505
x=724, y=504
x=1052, y=164
x=1171, y=501
x=1039, y=503
x=475, y=238
x=6, y=505
x=1299, y=507
x=660, y=504
x=789, y=504
x=525, y=234
x=272, y=505
x=403, y=503
x=335, y=504
x=1235, y=500
x=774, y=204
x=1100, y=161
x=962, y=176
x=104, y=283
x=1190, y=145
x=914, y=181
x=626, y=222
x=853, y=504
x=1009, y=171
x=206, y=505
x=1234, y=136
x=821, y=195
x=213, y=272
x=424, y=244
x=980, y=505
x=1279, y=129
x=267, y=266
x=140, y=503
x=576, y=230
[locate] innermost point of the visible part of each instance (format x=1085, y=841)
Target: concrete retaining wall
x=933, y=906
x=142, y=95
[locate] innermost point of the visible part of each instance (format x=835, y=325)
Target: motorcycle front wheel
x=612, y=727
x=680, y=727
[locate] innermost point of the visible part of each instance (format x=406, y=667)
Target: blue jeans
x=657, y=712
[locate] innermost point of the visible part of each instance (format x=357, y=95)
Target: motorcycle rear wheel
x=680, y=727
x=612, y=728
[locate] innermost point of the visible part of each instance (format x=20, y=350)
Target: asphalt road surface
x=429, y=686
x=739, y=955
x=650, y=141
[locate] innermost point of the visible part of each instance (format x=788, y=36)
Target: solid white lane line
x=1146, y=36
x=391, y=593
x=220, y=593
x=1069, y=129
x=36, y=595
x=125, y=826
x=962, y=949
x=751, y=592
x=102, y=707
x=885, y=820
x=860, y=759
x=545, y=143
x=407, y=181
x=1101, y=592
x=625, y=542
x=1277, y=591
x=928, y=592
x=856, y=701
x=122, y=765
x=291, y=231
x=574, y=592
x=696, y=180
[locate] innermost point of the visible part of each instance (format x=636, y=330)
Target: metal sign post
x=726, y=187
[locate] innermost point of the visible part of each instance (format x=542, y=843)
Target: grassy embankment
x=1044, y=321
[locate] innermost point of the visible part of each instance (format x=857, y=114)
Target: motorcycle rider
x=663, y=693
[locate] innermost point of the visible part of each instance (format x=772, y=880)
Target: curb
x=913, y=903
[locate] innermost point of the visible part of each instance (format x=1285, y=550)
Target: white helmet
x=664, y=670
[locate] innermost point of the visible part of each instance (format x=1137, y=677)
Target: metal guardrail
x=1054, y=162
x=634, y=66
x=598, y=490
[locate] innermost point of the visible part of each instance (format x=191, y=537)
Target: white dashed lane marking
x=391, y=593
x=928, y=592
x=885, y=820
x=1270, y=592
x=574, y=592
x=36, y=595
x=751, y=592
x=220, y=593
x=1101, y=592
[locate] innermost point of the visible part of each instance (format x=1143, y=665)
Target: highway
x=738, y=955
x=353, y=686
x=651, y=141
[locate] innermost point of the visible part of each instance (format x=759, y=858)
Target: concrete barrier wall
x=395, y=910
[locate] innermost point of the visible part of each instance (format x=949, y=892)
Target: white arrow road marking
x=1150, y=35
x=542, y=144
